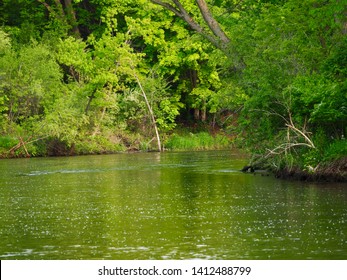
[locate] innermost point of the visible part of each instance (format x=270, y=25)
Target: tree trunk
x=71, y=16
x=67, y=17
x=211, y=22
x=60, y=8
x=203, y=113
x=196, y=114
x=219, y=39
x=150, y=112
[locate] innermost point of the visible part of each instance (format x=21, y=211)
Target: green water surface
x=188, y=205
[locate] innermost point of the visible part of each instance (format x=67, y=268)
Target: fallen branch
x=284, y=147
x=19, y=145
x=22, y=144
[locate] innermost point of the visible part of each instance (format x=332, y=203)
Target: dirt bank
x=335, y=171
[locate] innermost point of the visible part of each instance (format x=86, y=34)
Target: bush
x=7, y=142
x=336, y=150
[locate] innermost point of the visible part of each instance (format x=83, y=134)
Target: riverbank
x=180, y=140
x=331, y=171
x=334, y=171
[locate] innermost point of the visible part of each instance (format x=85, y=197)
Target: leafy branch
x=218, y=38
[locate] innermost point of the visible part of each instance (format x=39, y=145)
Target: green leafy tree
x=287, y=82
x=30, y=82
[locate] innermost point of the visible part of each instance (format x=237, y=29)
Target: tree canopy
x=100, y=75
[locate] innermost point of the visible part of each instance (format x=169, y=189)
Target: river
x=171, y=205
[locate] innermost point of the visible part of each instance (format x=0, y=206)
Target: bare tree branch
x=298, y=131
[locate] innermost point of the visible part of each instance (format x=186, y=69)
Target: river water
x=188, y=205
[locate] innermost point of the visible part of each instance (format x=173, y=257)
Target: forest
x=104, y=76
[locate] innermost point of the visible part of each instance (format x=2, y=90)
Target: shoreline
x=335, y=171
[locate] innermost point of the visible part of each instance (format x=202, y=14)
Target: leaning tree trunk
x=150, y=112
x=212, y=23
x=71, y=16
x=219, y=39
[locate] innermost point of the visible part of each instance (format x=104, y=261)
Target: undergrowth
x=197, y=141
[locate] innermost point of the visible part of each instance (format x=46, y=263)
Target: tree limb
x=48, y=7
x=51, y=10
x=67, y=17
x=168, y=6
x=219, y=42
x=211, y=22
x=298, y=131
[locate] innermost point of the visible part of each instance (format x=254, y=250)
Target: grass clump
x=197, y=141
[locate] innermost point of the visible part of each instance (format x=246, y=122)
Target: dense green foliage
x=197, y=141
x=74, y=74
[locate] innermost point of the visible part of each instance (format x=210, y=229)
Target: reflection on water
x=164, y=206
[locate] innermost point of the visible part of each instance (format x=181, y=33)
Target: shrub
x=336, y=150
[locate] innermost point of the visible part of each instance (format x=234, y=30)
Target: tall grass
x=197, y=141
